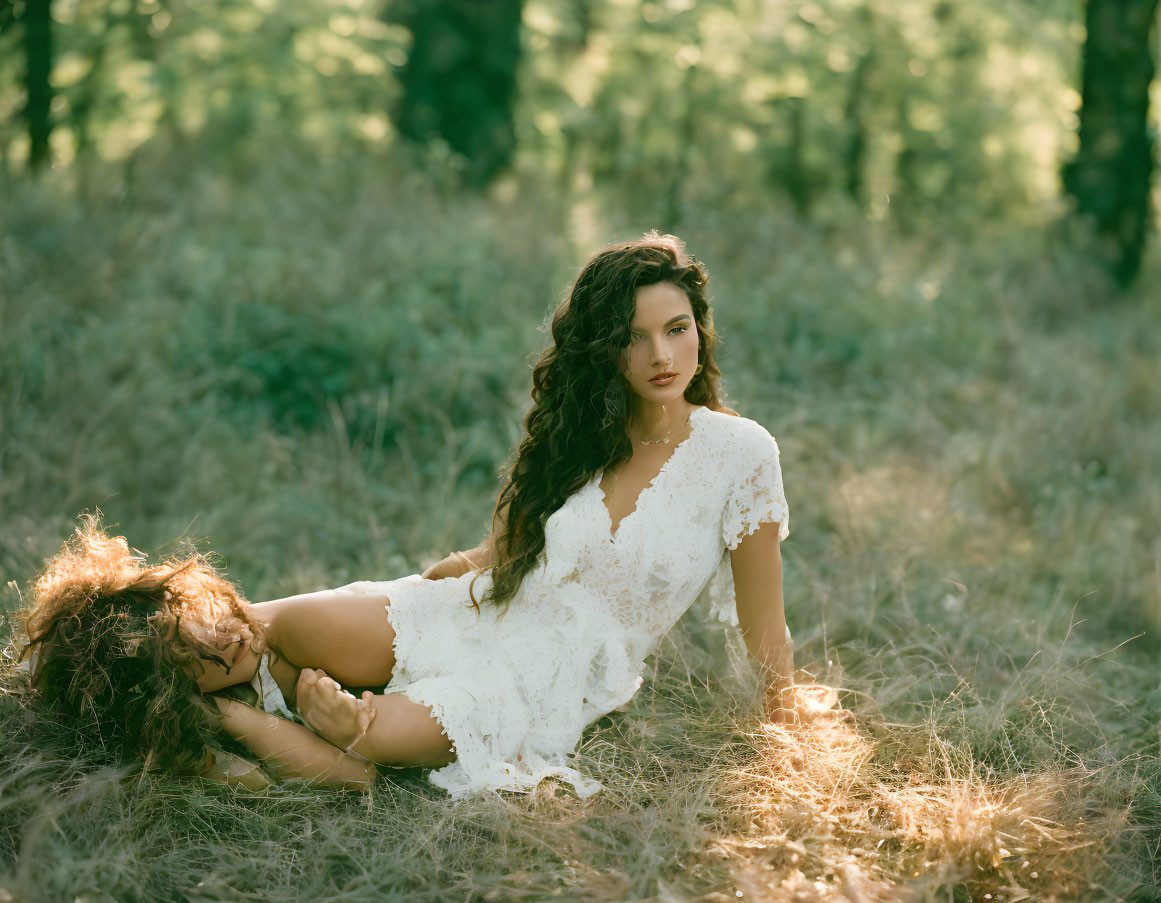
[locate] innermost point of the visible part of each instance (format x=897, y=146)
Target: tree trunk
x=459, y=82
x=37, y=21
x=854, y=157
x=787, y=168
x=1110, y=175
x=678, y=175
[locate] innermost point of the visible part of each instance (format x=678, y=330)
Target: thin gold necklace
x=664, y=438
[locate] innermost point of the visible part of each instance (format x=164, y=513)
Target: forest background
x=272, y=279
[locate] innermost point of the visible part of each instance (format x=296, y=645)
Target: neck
x=650, y=420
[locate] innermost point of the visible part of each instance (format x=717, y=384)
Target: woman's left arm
x=757, y=567
x=292, y=750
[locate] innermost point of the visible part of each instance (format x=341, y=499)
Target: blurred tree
x=36, y=17
x=660, y=106
x=582, y=15
x=459, y=82
x=86, y=95
x=788, y=167
x=855, y=153
x=1111, y=172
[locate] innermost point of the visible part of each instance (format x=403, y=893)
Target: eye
x=677, y=329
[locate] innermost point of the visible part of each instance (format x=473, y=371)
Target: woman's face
x=211, y=676
x=233, y=640
x=663, y=339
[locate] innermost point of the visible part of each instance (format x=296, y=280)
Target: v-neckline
x=614, y=532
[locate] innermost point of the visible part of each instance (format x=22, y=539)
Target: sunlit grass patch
x=824, y=811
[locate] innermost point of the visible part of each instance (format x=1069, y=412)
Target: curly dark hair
x=112, y=642
x=580, y=416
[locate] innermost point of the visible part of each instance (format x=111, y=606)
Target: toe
x=368, y=711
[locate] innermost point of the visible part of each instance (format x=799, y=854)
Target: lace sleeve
x=757, y=496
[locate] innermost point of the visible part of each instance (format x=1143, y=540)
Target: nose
x=657, y=352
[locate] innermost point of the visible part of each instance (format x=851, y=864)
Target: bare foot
x=332, y=712
x=228, y=768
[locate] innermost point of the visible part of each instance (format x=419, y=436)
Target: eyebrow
x=671, y=322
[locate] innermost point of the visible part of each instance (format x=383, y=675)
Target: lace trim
x=650, y=488
x=269, y=692
x=476, y=769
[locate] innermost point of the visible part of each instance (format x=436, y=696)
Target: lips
x=661, y=376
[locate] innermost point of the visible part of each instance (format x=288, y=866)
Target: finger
x=308, y=678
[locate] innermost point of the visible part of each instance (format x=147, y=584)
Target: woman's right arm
x=455, y=566
x=292, y=750
x=482, y=556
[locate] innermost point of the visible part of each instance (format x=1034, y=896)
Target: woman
x=632, y=489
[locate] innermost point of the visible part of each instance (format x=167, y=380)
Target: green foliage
x=218, y=341
x=905, y=107
x=667, y=107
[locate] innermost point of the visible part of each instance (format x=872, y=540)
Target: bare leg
x=349, y=635
x=401, y=732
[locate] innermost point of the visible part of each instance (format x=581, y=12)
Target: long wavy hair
x=111, y=643
x=581, y=402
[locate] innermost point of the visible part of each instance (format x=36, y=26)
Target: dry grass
x=326, y=397
x=823, y=814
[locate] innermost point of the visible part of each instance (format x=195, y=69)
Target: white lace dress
x=514, y=693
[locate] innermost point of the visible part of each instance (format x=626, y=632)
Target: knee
x=406, y=734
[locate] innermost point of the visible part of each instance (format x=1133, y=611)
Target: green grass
x=316, y=370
